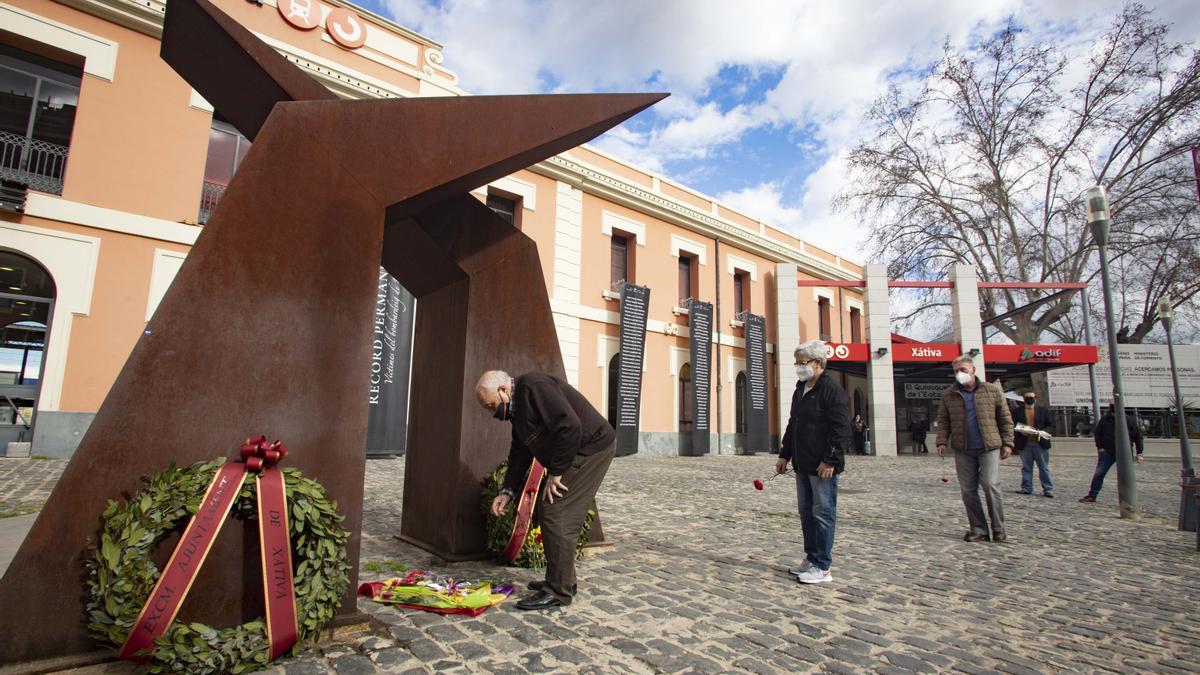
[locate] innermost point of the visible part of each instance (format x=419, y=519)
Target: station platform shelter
x=905, y=378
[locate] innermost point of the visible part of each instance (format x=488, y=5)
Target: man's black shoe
x=1022, y=492
x=543, y=599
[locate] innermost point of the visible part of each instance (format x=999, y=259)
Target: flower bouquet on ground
x=433, y=593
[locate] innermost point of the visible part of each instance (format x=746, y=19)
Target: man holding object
x=553, y=422
x=1033, y=444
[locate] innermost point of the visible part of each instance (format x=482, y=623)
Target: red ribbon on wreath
x=258, y=457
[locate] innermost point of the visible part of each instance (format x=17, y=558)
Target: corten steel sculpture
x=267, y=327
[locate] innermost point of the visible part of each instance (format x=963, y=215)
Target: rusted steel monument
x=267, y=327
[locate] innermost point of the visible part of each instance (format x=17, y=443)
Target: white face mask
x=964, y=378
x=804, y=372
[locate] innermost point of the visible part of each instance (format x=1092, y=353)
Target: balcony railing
x=210, y=194
x=38, y=164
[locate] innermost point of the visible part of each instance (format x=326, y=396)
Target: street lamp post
x=1098, y=221
x=1187, y=472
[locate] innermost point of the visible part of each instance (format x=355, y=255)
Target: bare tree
x=987, y=160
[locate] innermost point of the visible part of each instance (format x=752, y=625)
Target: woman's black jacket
x=818, y=428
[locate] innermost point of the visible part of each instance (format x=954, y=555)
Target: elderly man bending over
x=553, y=422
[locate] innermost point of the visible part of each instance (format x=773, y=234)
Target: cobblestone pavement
x=696, y=581
x=26, y=483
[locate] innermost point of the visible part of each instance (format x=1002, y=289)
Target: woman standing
x=815, y=442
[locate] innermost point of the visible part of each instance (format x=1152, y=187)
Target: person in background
x=973, y=418
x=1034, y=449
x=1105, y=435
x=860, y=435
x=918, y=429
x=815, y=442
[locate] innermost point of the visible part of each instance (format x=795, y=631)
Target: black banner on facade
x=635, y=305
x=700, y=328
x=391, y=355
x=758, y=437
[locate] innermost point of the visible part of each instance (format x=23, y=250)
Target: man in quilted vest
x=974, y=419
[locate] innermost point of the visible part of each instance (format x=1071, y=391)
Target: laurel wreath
x=121, y=574
x=499, y=528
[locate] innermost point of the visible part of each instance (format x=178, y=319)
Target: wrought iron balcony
x=210, y=194
x=38, y=164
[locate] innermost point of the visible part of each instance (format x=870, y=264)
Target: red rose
x=758, y=485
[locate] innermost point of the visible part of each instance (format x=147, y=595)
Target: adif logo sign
x=836, y=352
x=926, y=352
x=1028, y=354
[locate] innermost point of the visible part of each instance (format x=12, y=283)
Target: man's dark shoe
x=1088, y=499
x=971, y=536
x=1048, y=495
x=1022, y=492
x=999, y=537
x=543, y=599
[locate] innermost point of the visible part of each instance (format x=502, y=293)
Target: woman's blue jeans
x=816, y=499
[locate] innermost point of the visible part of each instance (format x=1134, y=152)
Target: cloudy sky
x=766, y=97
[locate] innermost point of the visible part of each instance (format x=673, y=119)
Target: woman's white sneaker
x=815, y=576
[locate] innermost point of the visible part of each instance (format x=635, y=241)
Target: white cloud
x=765, y=201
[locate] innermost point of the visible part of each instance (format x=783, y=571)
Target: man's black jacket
x=1105, y=433
x=553, y=422
x=1041, y=420
x=818, y=428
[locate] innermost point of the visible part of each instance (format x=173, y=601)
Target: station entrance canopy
x=913, y=359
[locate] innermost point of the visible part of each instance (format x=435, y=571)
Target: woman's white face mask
x=804, y=372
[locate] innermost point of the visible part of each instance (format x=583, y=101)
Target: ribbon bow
x=258, y=454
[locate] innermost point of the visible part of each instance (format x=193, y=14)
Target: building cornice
x=613, y=189
x=146, y=16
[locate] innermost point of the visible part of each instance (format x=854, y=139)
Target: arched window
x=685, y=397
x=740, y=402
x=26, y=304
x=614, y=381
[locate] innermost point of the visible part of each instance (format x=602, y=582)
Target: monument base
x=57, y=663
x=448, y=556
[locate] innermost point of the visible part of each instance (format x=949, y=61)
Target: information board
x=700, y=329
x=635, y=304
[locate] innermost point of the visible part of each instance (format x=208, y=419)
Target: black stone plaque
x=757, y=433
x=391, y=354
x=635, y=305
x=700, y=328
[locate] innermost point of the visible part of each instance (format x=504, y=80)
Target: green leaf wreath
x=532, y=553
x=121, y=574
